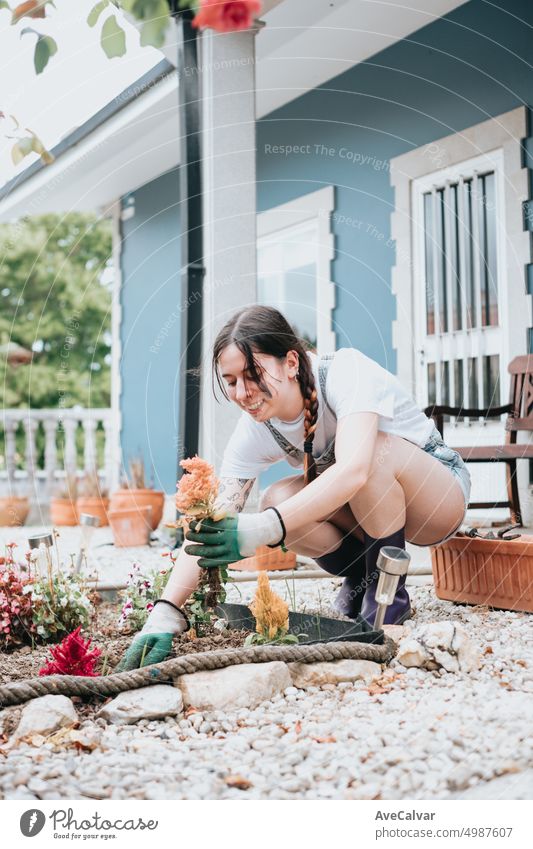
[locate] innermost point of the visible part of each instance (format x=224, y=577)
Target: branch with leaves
x=155, y=19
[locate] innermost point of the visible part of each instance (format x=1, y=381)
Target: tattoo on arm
x=233, y=493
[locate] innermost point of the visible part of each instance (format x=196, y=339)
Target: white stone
x=45, y=715
x=246, y=685
x=439, y=644
x=155, y=702
x=333, y=672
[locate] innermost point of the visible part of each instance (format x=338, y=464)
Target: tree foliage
x=55, y=300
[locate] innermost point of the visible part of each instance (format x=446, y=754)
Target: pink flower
x=227, y=15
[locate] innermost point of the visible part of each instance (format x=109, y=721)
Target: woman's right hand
x=154, y=643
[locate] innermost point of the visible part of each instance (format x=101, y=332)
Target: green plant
x=60, y=603
x=140, y=594
x=36, y=607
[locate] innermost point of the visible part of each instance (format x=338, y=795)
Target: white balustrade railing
x=60, y=427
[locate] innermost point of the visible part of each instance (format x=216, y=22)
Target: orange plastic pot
x=131, y=499
x=13, y=511
x=498, y=573
x=63, y=511
x=95, y=507
x=131, y=527
x=266, y=559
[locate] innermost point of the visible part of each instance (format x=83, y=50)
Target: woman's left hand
x=233, y=538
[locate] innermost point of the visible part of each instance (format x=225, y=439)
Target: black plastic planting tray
x=308, y=627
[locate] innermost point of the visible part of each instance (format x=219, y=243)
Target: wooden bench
x=519, y=413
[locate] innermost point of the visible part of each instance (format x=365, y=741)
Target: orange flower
x=197, y=489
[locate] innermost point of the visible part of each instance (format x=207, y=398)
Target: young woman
x=375, y=471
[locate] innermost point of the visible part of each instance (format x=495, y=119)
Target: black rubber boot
x=349, y=561
x=400, y=609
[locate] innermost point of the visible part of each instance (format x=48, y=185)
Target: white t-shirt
x=355, y=384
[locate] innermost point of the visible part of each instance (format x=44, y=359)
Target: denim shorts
x=452, y=460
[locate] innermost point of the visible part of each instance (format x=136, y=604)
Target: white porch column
x=227, y=68
x=113, y=426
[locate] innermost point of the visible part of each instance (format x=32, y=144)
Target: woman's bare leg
x=408, y=488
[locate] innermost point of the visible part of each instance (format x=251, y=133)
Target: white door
x=460, y=303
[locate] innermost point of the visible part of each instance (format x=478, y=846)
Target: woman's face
x=286, y=399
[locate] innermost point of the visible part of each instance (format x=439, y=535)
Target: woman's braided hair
x=264, y=330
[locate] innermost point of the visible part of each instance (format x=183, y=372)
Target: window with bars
x=490, y=370
x=460, y=255
x=461, y=291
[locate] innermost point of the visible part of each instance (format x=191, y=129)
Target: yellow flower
x=270, y=611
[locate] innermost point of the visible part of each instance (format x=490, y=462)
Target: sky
x=77, y=81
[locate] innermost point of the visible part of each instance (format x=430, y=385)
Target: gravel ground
x=414, y=735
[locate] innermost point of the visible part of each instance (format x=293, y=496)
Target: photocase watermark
x=219, y=65
x=356, y=157
x=403, y=256
x=72, y=323
x=32, y=822
x=175, y=315
x=65, y=825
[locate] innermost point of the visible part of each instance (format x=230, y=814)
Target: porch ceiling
x=133, y=146
x=305, y=44
x=308, y=42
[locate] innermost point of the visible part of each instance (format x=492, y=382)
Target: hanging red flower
x=72, y=657
x=227, y=15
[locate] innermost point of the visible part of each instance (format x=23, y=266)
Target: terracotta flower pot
x=63, y=511
x=95, y=507
x=266, y=559
x=131, y=527
x=498, y=573
x=129, y=499
x=13, y=511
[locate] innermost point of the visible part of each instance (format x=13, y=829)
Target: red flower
x=72, y=657
x=227, y=15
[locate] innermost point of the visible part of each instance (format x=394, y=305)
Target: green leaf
x=96, y=11
x=153, y=32
x=44, y=50
x=4, y=5
x=113, y=38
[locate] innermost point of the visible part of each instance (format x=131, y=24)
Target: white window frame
x=504, y=132
x=316, y=206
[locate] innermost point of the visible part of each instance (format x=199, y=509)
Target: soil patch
x=25, y=662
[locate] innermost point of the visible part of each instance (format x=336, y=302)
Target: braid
x=310, y=396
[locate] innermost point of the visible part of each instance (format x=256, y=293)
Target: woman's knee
x=280, y=491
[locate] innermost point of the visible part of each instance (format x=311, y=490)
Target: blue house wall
x=474, y=64
x=150, y=328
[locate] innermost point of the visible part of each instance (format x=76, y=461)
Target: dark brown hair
x=264, y=330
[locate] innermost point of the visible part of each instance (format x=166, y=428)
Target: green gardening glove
x=154, y=643
x=218, y=543
x=233, y=538
x=144, y=650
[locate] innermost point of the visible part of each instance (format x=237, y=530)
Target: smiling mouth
x=252, y=408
